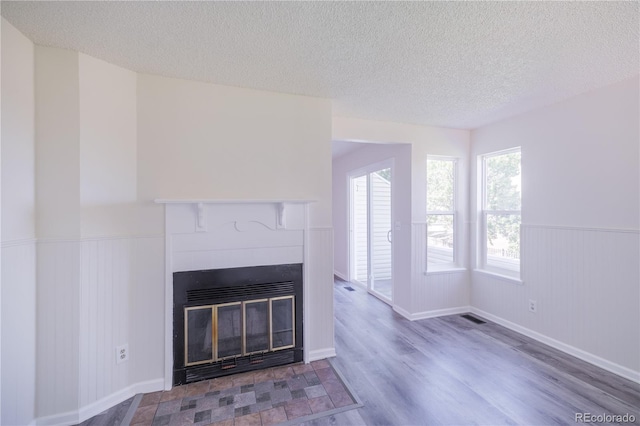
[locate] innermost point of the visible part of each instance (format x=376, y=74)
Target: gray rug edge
x=126, y=421
x=358, y=402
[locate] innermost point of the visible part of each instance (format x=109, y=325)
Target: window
x=501, y=195
x=441, y=212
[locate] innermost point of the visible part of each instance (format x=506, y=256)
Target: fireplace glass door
x=230, y=330
x=256, y=326
x=282, y=323
x=198, y=344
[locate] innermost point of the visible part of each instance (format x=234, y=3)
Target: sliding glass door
x=371, y=232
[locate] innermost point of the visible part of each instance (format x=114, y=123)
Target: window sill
x=502, y=277
x=448, y=270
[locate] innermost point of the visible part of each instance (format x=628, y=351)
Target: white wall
x=94, y=244
x=18, y=192
x=108, y=133
x=428, y=295
x=580, y=226
x=57, y=143
x=579, y=156
x=58, y=230
x=146, y=300
x=440, y=292
x=1, y=24
x=200, y=140
x=18, y=229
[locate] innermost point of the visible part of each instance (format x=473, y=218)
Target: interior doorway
x=371, y=236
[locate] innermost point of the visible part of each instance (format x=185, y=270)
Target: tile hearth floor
x=265, y=397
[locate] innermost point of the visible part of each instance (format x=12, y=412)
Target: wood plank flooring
x=450, y=370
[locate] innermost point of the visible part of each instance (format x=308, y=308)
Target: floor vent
x=347, y=287
x=473, y=319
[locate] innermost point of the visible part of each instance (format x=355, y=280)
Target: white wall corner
x=432, y=314
x=406, y=314
x=340, y=275
x=319, y=354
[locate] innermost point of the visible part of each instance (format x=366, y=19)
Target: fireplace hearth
x=232, y=320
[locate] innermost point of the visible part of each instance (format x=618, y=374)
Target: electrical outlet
x=122, y=354
x=533, y=306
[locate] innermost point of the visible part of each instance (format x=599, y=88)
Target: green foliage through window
x=502, y=205
x=440, y=211
x=440, y=181
x=503, y=182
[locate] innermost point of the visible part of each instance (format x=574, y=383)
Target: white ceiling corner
x=449, y=64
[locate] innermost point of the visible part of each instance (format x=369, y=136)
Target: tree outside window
x=441, y=175
x=501, y=209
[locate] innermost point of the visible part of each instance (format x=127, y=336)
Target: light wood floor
x=449, y=370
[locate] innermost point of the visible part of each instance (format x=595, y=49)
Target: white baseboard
x=149, y=386
x=322, y=354
x=431, y=314
x=620, y=370
x=358, y=284
x=340, y=275
x=406, y=314
x=97, y=407
x=68, y=418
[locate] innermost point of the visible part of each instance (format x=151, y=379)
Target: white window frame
x=511, y=268
x=454, y=263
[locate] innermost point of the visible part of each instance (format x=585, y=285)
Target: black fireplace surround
x=221, y=290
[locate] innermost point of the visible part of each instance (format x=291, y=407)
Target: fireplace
x=213, y=240
x=233, y=320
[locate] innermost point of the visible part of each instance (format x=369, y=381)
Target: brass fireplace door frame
x=243, y=352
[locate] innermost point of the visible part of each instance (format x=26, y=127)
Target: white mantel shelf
x=201, y=226
x=229, y=201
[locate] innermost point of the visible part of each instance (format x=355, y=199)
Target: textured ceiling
x=451, y=64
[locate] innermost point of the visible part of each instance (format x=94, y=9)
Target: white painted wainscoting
x=18, y=332
x=319, y=296
x=104, y=316
x=115, y=299
x=586, y=285
x=438, y=293
x=95, y=294
x=58, y=328
x=213, y=234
